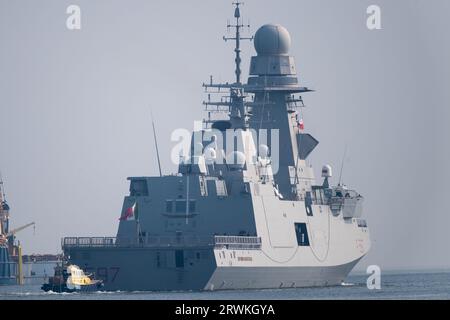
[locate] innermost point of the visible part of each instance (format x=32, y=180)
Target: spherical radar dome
x=272, y=39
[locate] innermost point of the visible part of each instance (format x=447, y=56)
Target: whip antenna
x=342, y=165
x=156, y=143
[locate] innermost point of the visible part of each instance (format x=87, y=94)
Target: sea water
x=394, y=285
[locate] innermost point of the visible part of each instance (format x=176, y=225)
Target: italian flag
x=301, y=125
x=130, y=213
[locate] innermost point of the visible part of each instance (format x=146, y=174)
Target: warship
x=244, y=210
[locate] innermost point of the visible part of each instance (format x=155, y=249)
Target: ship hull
x=231, y=278
x=137, y=269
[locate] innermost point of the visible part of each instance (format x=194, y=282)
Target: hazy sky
x=75, y=107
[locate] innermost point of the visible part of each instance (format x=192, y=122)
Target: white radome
x=236, y=159
x=326, y=171
x=272, y=39
x=210, y=154
x=263, y=151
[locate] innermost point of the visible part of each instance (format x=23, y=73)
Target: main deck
x=217, y=242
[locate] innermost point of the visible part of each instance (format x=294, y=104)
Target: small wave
x=347, y=284
x=107, y=292
x=18, y=294
x=50, y=292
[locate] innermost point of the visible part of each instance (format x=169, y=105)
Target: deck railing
x=238, y=242
x=230, y=242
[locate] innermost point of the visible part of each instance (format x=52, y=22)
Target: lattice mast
x=234, y=101
x=238, y=26
x=4, y=211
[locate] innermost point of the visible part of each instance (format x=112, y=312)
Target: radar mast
x=234, y=102
x=237, y=38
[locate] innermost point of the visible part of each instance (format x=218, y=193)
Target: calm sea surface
x=394, y=285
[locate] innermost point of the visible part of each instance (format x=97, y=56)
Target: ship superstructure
x=244, y=210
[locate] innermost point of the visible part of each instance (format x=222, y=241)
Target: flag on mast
x=301, y=125
x=130, y=213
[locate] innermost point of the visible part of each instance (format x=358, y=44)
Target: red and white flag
x=129, y=213
x=301, y=125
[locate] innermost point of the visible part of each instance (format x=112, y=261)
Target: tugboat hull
x=63, y=288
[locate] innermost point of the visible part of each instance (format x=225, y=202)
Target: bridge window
x=302, y=234
x=138, y=188
x=361, y=223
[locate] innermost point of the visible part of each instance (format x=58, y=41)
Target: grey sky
x=75, y=107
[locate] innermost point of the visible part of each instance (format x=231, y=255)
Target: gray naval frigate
x=244, y=210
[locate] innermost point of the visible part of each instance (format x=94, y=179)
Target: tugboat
x=71, y=279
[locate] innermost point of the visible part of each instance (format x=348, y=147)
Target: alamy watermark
x=374, y=280
x=374, y=19
x=373, y=22
x=73, y=21
x=231, y=146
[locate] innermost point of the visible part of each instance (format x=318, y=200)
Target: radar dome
x=210, y=154
x=326, y=171
x=272, y=39
x=263, y=151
